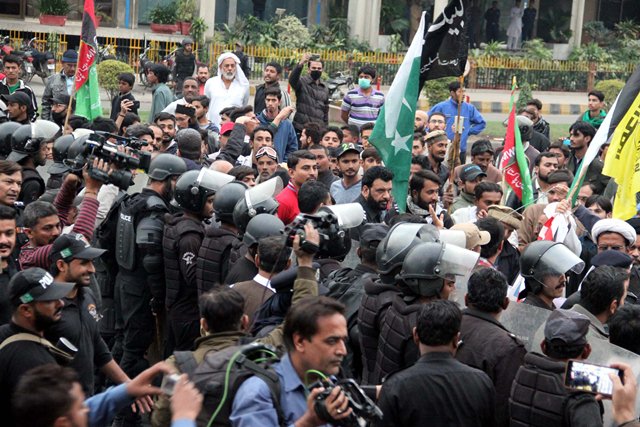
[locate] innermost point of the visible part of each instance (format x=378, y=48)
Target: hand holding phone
x=590, y=378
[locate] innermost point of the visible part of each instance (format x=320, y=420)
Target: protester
x=230, y=88
x=312, y=94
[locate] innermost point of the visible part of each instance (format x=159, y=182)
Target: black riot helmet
x=6, y=131
x=261, y=226
x=397, y=243
x=227, y=198
x=428, y=265
x=525, y=125
x=26, y=140
x=257, y=200
x=60, y=150
x=195, y=186
x=543, y=258
x=166, y=165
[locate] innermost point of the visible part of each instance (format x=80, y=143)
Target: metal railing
x=486, y=73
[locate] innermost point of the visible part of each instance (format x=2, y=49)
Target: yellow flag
x=623, y=162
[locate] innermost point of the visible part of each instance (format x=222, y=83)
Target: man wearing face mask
x=362, y=105
x=311, y=93
x=230, y=88
x=60, y=83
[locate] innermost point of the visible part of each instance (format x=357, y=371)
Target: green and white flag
x=393, y=132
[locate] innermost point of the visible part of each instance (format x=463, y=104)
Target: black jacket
x=115, y=105
x=438, y=391
x=312, y=99
x=490, y=347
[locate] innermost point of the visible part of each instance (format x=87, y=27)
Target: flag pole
x=455, y=144
x=505, y=187
x=73, y=92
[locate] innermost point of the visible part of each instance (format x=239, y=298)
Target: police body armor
x=375, y=304
x=29, y=175
x=396, y=350
x=209, y=270
x=180, y=226
x=541, y=376
x=128, y=219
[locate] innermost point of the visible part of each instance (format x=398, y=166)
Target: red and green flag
x=513, y=162
x=87, y=92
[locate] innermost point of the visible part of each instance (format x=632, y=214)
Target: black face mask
x=315, y=74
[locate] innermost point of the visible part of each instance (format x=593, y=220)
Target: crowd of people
x=257, y=232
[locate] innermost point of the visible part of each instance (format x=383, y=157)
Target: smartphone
x=136, y=104
x=169, y=383
x=581, y=376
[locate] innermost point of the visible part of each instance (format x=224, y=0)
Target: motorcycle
x=104, y=53
x=143, y=66
x=5, y=49
x=36, y=63
x=334, y=84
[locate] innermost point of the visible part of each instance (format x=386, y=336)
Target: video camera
x=361, y=405
x=331, y=223
x=97, y=145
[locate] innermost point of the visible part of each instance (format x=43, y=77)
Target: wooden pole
x=73, y=91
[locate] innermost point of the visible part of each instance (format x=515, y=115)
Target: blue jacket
x=285, y=140
x=474, y=123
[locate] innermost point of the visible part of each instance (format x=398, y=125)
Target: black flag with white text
x=446, y=47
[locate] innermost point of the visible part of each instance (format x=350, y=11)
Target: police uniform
x=487, y=345
x=213, y=258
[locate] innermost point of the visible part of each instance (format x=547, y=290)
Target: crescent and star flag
x=513, y=162
x=623, y=158
x=87, y=91
x=437, y=51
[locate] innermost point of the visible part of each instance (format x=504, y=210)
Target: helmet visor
x=44, y=129
x=402, y=235
x=212, y=180
x=456, y=263
x=349, y=215
x=263, y=191
x=559, y=259
x=454, y=237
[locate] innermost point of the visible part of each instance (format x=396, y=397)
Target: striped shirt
x=362, y=108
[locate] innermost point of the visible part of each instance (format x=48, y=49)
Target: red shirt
x=288, y=199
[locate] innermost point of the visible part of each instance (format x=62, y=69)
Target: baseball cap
x=73, y=246
x=226, y=127
x=372, y=233
x=482, y=146
x=61, y=98
x=567, y=326
x=471, y=172
x=475, y=236
x=36, y=284
x=17, y=97
x=345, y=148
x=267, y=151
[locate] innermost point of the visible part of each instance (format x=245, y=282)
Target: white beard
x=229, y=76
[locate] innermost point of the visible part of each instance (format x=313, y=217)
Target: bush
x=54, y=7
x=438, y=90
x=108, y=75
x=163, y=14
x=524, y=96
x=292, y=33
x=611, y=89
x=536, y=49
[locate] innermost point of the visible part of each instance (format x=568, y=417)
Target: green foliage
x=597, y=32
x=54, y=7
x=557, y=25
x=108, y=75
x=524, y=95
x=628, y=29
x=251, y=31
x=53, y=42
x=163, y=14
x=611, y=89
x=492, y=50
x=392, y=17
x=292, y=33
x=396, y=44
x=438, y=90
x=537, y=50
x=590, y=52
x=186, y=10
x=198, y=29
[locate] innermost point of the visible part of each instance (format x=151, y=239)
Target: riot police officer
x=29, y=150
x=429, y=272
x=379, y=293
x=183, y=234
x=543, y=265
x=214, y=254
x=138, y=253
x=6, y=132
x=58, y=168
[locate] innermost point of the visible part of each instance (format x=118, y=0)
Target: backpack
x=222, y=372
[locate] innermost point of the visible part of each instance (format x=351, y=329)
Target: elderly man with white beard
x=230, y=88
